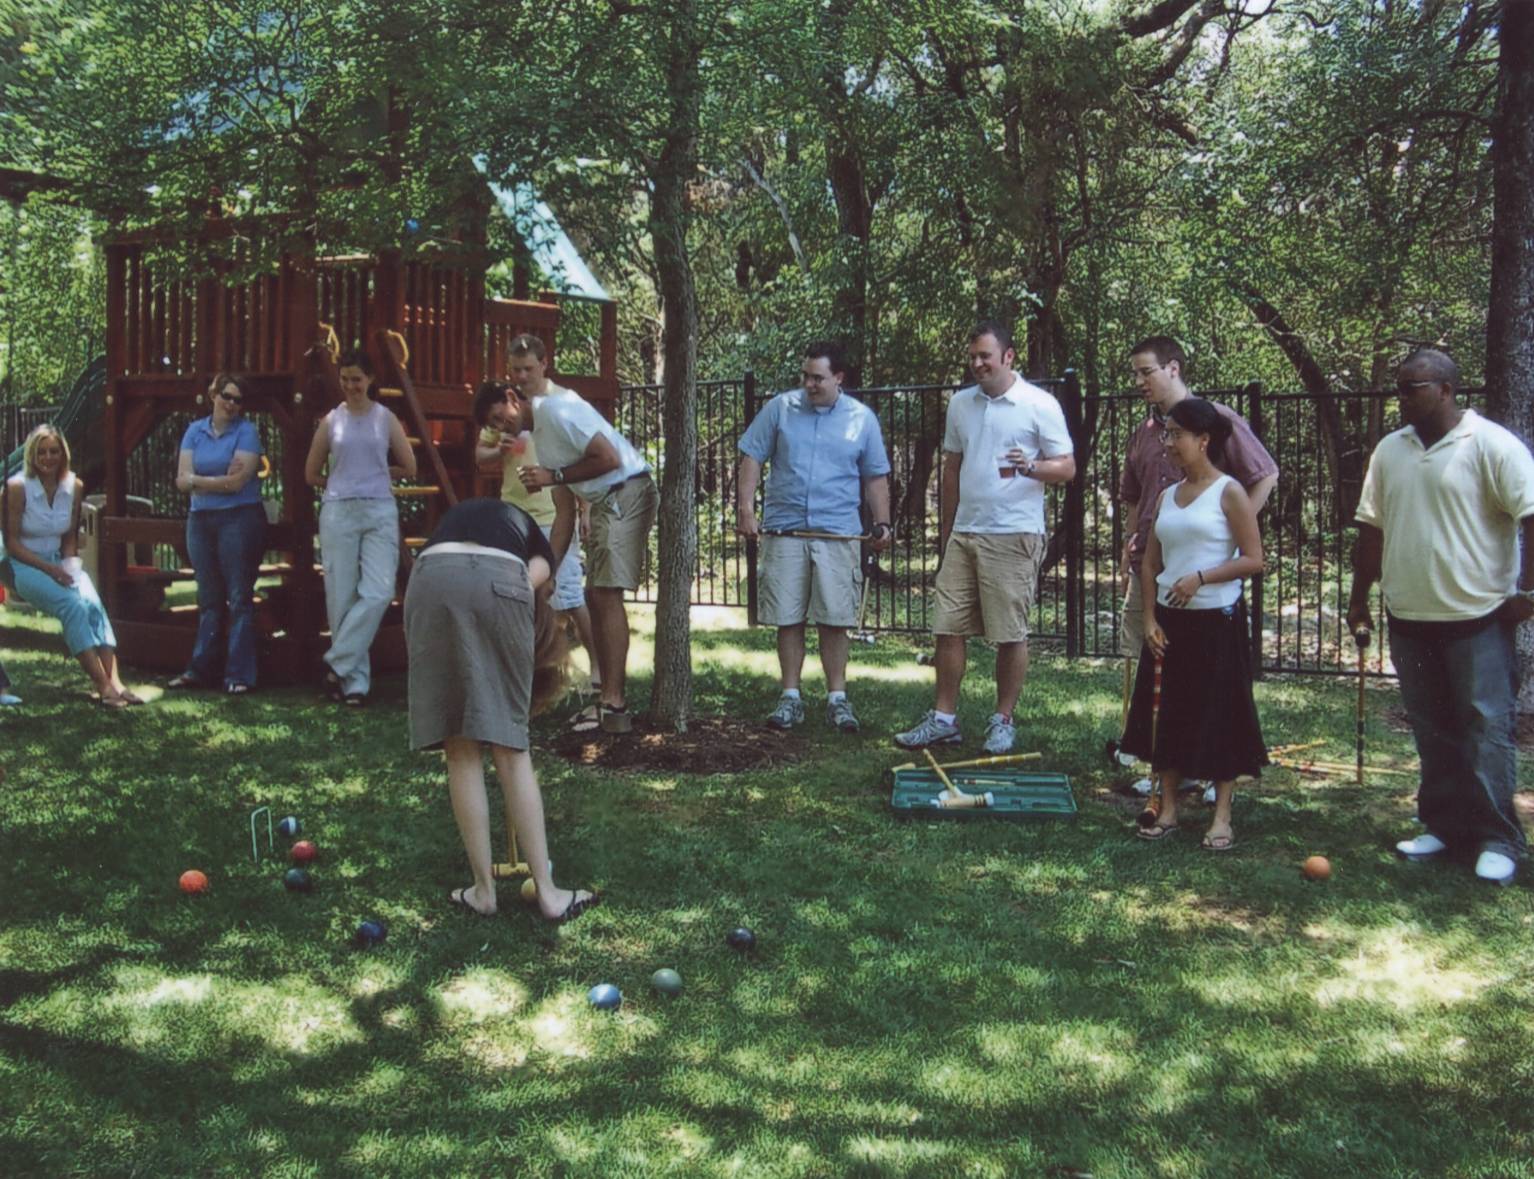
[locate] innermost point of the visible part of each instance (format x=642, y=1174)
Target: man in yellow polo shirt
x=1443, y=505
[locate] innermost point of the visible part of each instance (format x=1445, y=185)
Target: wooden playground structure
x=433, y=336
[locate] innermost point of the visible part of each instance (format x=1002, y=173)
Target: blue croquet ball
x=297, y=880
x=371, y=932
x=605, y=997
x=667, y=982
x=289, y=826
x=741, y=939
x=412, y=225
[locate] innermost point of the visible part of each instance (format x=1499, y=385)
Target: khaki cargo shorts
x=803, y=580
x=986, y=585
x=620, y=534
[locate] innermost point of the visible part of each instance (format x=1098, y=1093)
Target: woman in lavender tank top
x=359, y=524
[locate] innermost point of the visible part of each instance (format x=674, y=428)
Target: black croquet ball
x=740, y=938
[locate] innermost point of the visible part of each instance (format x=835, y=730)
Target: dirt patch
x=711, y=745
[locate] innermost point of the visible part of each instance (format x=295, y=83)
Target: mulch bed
x=711, y=745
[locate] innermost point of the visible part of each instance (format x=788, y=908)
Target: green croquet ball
x=667, y=981
x=529, y=891
x=297, y=880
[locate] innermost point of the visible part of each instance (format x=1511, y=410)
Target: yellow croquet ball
x=529, y=891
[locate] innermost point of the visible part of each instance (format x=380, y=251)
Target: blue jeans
x=1461, y=698
x=225, y=546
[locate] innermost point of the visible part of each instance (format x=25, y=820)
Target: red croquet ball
x=304, y=852
x=1316, y=868
x=194, y=882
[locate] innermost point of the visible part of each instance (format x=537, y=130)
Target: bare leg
x=466, y=788
x=1219, y=827
x=90, y=660
x=1011, y=671
x=1171, y=782
x=833, y=656
x=790, y=655
x=950, y=671
x=524, y=812
x=108, y=659
x=581, y=616
x=610, y=630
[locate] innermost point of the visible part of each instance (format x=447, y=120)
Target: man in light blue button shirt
x=827, y=454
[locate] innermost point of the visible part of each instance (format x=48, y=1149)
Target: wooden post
x=112, y=461
x=1075, y=521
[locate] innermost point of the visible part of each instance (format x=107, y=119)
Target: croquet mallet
x=813, y=534
x=999, y=759
x=862, y=634
x=1111, y=746
x=515, y=865
x=952, y=798
x=1152, y=811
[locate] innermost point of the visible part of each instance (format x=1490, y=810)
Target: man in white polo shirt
x=1444, y=505
x=1004, y=440
x=581, y=454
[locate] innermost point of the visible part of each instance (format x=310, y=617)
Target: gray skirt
x=469, y=629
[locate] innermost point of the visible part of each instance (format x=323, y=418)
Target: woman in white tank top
x=1204, y=542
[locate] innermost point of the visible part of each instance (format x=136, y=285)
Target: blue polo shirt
x=212, y=454
x=819, y=459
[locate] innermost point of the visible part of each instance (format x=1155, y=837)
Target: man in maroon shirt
x=1157, y=365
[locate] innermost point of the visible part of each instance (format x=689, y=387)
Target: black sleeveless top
x=494, y=524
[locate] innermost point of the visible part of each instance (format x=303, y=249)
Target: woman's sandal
x=587, y=720
x=355, y=700
x=1157, y=831
x=460, y=898
x=578, y=905
x=112, y=703
x=130, y=697
x=1218, y=843
x=236, y=689
x=617, y=720
x=182, y=682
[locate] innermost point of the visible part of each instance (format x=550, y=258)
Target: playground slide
x=80, y=420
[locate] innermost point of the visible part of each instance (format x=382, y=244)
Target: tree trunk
x=1510, y=321
x=671, y=695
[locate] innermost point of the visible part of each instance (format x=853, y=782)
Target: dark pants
x=1461, y=696
x=226, y=546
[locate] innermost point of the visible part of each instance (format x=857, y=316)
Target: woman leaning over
x=1204, y=542
x=485, y=655
x=225, y=535
x=359, y=524
x=42, y=529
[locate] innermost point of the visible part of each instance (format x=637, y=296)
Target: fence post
x=1254, y=419
x=1075, y=512
x=748, y=384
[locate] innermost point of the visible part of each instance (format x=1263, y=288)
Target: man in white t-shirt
x=1004, y=440
x=581, y=456
x=1447, y=503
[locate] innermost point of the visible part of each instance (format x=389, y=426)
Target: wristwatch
x=559, y=474
x=881, y=530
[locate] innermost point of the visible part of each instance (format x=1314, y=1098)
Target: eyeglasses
x=1171, y=434
x=1408, y=386
x=230, y=398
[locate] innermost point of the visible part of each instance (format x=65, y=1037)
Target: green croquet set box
x=1016, y=794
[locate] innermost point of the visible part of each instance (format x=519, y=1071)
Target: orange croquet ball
x=1316, y=868
x=194, y=882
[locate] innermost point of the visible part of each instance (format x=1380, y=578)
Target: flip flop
x=617, y=720
x=587, y=720
x=458, y=897
x=578, y=905
x=1157, y=831
x=130, y=697
x=237, y=689
x=1218, y=843
x=112, y=703
x=182, y=682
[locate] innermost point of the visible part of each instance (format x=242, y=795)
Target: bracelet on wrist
x=1200, y=576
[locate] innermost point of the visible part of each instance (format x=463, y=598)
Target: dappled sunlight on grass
x=479, y=996
x=1402, y=968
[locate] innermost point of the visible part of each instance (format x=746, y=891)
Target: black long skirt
x=1207, y=724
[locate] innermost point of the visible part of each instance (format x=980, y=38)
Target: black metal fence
x=17, y=421
x=1321, y=445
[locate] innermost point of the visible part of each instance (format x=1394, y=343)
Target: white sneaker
x=1142, y=787
x=1424, y=847
x=1496, y=868
x=1209, y=795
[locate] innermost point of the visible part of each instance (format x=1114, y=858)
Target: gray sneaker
x=1000, y=734
x=788, y=713
x=929, y=731
x=840, y=715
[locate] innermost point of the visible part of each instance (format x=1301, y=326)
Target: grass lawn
x=928, y=999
